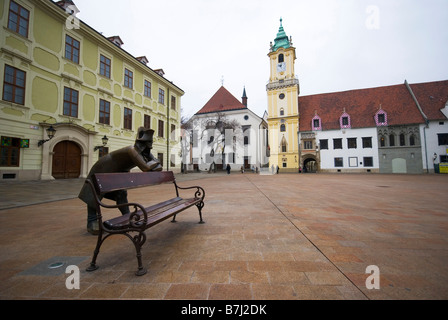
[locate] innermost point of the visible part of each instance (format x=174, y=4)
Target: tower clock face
x=281, y=67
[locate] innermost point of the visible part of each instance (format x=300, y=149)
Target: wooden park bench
x=141, y=217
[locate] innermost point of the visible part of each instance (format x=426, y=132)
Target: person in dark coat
x=122, y=160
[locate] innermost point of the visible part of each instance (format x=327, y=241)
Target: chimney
x=116, y=40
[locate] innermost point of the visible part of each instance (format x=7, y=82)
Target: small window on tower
x=281, y=58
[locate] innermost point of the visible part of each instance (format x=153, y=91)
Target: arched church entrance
x=310, y=165
x=66, y=160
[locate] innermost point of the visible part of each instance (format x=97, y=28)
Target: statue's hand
x=154, y=165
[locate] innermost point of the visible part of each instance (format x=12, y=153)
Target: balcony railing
x=282, y=83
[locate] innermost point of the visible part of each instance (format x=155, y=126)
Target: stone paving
x=279, y=237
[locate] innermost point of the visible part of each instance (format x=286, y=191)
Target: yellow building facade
x=283, y=112
x=57, y=72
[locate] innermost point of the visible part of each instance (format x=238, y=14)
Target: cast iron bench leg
x=93, y=265
x=138, y=241
x=200, y=205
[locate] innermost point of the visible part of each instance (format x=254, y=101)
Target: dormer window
x=381, y=118
x=316, y=123
x=344, y=121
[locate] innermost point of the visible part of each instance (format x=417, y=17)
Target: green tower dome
x=281, y=41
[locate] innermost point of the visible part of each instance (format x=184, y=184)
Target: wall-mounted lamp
x=104, y=140
x=50, y=133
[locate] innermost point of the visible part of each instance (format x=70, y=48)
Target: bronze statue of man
x=122, y=160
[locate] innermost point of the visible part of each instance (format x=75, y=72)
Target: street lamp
x=104, y=140
x=50, y=133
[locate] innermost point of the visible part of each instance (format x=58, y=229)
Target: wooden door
x=66, y=160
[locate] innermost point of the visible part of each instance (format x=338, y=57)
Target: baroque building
x=61, y=76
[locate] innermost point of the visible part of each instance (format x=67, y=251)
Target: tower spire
x=244, y=97
x=281, y=41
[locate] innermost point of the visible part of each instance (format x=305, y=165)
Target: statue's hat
x=144, y=134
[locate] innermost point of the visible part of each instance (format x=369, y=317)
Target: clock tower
x=283, y=110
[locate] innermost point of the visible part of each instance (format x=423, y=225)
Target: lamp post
x=50, y=133
x=104, y=140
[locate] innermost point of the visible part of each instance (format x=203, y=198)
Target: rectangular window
x=160, y=128
x=128, y=118
x=70, y=102
x=105, y=66
x=147, y=89
x=173, y=103
x=316, y=123
x=367, y=142
x=14, y=85
x=368, y=161
x=19, y=19
x=72, y=49
x=351, y=143
x=323, y=144
x=345, y=121
x=103, y=151
x=381, y=118
x=9, y=152
x=443, y=139
x=161, y=96
x=104, y=112
x=308, y=145
x=338, y=162
x=147, y=121
x=337, y=143
x=160, y=157
x=128, y=78
x=173, y=132
x=353, y=161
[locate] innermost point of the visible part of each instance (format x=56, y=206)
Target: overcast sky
x=340, y=44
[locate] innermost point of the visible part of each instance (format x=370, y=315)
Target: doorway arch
x=310, y=165
x=66, y=160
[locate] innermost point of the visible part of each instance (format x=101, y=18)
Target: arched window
x=412, y=140
x=402, y=139
x=391, y=140
x=281, y=58
x=382, y=141
x=282, y=112
x=284, y=145
x=282, y=128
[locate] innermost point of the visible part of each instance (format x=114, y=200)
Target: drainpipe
x=168, y=132
x=424, y=117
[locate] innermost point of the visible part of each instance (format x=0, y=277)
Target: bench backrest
x=108, y=182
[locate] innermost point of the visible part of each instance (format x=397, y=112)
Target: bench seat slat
x=156, y=213
x=108, y=182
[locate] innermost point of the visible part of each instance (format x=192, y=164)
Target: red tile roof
x=221, y=101
x=362, y=105
x=432, y=96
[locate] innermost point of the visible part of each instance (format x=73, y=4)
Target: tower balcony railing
x=282, y=83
